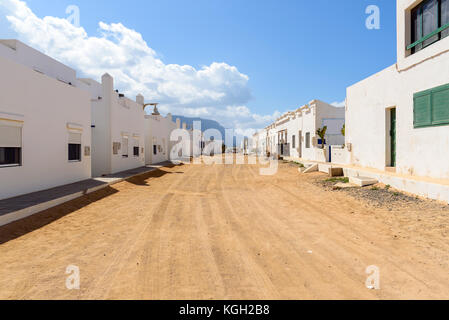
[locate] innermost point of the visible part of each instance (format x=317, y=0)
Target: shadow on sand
x=142, y=180
x=21, y=227
x=24, y=226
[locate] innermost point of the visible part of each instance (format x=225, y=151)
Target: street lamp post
x=155, y=111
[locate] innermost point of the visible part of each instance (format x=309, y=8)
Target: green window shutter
x=422, y=109
x=440, y=105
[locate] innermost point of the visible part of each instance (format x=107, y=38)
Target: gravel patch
x=379, y=195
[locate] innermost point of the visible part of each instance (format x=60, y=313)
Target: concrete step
x=362, y=181
x=324, y=168
x=312, y=168
x=336, y=172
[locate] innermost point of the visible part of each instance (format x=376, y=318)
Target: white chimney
x=140, y=99
x=108, y=83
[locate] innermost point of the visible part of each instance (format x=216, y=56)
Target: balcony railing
x=430, y=35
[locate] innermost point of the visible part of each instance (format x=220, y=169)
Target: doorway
x=300, y=144
x=393, y=143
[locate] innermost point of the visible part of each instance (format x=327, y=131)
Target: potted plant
x=322, y=134
x=322, y=152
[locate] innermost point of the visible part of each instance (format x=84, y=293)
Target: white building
x=271, y=140
x=398, y=119
x=245, y=146
x=260, y=142
x=198, y=145
x=294, y=134
x=45, y=138
x=158, y=130
x=118, y=128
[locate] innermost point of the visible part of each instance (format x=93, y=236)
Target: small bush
x=298, y=164
x=387, y=187
x=336, y=180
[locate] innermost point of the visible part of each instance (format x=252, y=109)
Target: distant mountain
x=205, y=124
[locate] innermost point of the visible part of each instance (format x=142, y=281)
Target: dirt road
x=225, y=232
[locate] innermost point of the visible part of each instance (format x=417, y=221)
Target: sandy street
x=225, y=232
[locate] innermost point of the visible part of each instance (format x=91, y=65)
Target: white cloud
x=218, y=91
x=339, y=104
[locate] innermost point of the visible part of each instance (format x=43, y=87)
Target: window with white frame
x=429, y=23
x=155, y=149
x=125, y=140
x=10, y=143
x=136, y=148
x=74, y=145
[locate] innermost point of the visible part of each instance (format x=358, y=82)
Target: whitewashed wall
x=259, y=141
x=308, y=124
x=157, y=133
x=308, y=119
x=47, y=107
x=340, y=155
x=420, y=152
x=24, y=55
x=114, y=117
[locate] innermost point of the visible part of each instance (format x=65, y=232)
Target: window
x=308, y=140
x=10, y=156
x=115, y=148
x=136, y=148
x=429, y=20
x=74, y=146
x=430, y=23
x=444, y=17
x=293, y=142
x=10, y=145
x=431, y=107
x=155, y=150
x=125, y=147
x=74, y=152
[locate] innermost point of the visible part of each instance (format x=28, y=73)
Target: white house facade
x=45, y=138
x=271, y=139
x=198, y=145
x=158, y=130
x=258, y=142
x=294, y=134
x=118, y=128
x=398, y=119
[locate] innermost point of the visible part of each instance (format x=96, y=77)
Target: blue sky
x=291, y=51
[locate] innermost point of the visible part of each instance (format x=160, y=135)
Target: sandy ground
x=225, y=232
